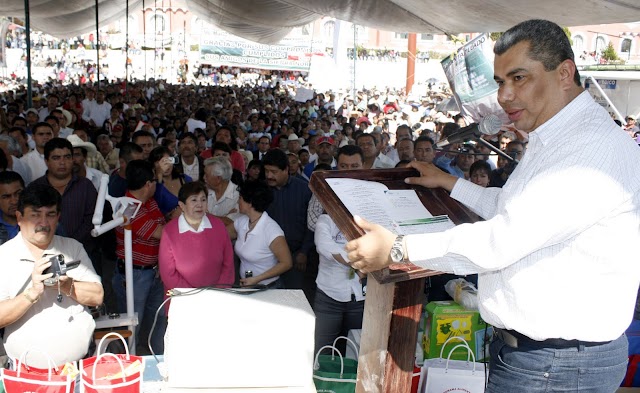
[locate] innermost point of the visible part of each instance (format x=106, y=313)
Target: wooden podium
x=395, y=296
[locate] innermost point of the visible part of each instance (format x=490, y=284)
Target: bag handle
x=469, y=352
x=50, y=364
x=464, y=343
x=349, y=341
x=111, y=334
x=104, y=355
x=316, y=364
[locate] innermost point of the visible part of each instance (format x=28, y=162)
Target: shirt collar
x=565, y=118
x=183, y=225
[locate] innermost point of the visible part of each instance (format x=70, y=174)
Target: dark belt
x=515, y=339
x=120, y=266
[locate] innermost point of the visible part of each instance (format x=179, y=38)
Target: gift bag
x=335, y=374
x=111, y=373
x=30, y=379
x=446, y=375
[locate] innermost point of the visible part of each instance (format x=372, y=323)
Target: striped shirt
x=560, y=239
x=145, y=246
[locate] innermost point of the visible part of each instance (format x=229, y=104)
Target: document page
x=400, y=211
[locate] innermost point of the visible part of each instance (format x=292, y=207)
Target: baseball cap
x=325, y=139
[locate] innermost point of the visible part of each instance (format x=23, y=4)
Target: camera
x=172, y=160
x=59, y=268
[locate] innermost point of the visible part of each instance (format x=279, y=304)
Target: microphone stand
x=495, y=150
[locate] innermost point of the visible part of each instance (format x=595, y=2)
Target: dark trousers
x=334, y=319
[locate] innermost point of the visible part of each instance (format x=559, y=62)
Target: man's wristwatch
x=398, y=253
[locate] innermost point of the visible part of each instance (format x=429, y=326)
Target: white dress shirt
x=99, y=113
x=334, y=279
x=35, y=162
x=559, y=244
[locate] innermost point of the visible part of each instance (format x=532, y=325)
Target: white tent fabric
x=267, y=21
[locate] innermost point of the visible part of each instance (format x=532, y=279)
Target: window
x=601, y=44
x=328, y=29
x=625, y=46
x=402, y=36
x=426, y=37
x=578, y=44
x=157, y=23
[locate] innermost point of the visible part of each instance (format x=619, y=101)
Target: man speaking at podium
x=557, y=252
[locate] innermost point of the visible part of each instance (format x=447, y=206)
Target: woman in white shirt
x=260, y=242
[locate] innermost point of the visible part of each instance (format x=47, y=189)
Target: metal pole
x=411, y=61
x=355, y=55
x=155, y=37
x=27, y=28
x=126, y=49
x=606, y=98
x=144, y=39
x=97, y=46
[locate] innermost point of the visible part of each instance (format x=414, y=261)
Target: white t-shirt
x=62, y=330
x=253, y=247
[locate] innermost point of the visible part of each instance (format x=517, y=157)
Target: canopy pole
x=355, y=56
x=144, y=38
x=27, y=28
x=126, y=49
x=411, y=61
x=155, y=38
x=97, y=46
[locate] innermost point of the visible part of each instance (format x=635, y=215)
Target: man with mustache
x=27, y=305
x=11, y=185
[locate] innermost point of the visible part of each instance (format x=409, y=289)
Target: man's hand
x=300, y=263
x=37, y=278
x=370, y=252
x=431, y=176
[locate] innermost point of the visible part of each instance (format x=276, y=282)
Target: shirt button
x=546, y=375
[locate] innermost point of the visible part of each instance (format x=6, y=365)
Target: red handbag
x=31, y=379
x=111, y=373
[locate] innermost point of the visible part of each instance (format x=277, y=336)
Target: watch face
x=396, y=254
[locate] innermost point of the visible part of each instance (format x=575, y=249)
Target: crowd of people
x=221, y=173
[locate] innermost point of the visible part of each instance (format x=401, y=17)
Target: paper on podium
x=218, y=339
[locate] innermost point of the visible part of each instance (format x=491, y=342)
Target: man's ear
x=567, y=70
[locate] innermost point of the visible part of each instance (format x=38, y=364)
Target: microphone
x=489, y=125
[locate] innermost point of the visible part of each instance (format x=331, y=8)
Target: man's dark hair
x=350, y=150
x=188, y=135
x=480, y=166
x=220, y=146
x=56, y=143
x=38, y=195
x=41, y=124
x=138, y=173
x=366, y=135
x=548, y=43
x=277, y=158
x=127, y=149
x=258, y=194
x=8, y=177
x=190, y=189
x=141, y=133
x=17, y=119
x=424, y=138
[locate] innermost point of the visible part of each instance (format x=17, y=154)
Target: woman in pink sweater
x=195, y=249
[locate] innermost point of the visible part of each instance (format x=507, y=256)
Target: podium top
x=437, y=201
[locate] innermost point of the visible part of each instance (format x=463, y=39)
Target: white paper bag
x=446, y=375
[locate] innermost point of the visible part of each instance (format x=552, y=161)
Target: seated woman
x=260, y=242
x=169, y=182
x=195, y=250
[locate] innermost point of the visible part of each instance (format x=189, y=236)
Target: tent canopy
x=267, y=21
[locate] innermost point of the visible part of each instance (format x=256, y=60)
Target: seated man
x=54, y=318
